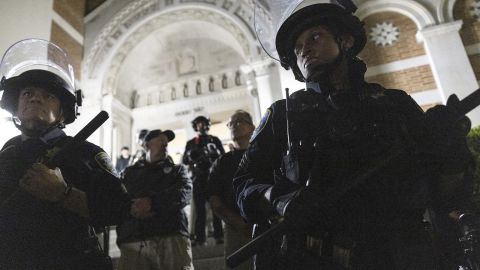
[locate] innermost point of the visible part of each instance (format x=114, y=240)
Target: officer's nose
x=35, y=96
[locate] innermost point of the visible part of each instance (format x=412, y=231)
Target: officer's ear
x=346, y=42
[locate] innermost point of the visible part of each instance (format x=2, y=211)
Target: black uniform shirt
x=221, y=178
x=37, y=234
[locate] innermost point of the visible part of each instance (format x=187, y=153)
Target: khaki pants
x=172, y=252
x=233, y=241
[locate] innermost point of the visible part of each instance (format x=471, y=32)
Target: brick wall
x=410, y=80
x=470, y=31
x=405, y=47
x=72, y=11
x=70, y=45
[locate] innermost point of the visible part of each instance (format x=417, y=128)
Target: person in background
x=123, y=159
x=159, y=240
x=220, y=189
x=200, y=152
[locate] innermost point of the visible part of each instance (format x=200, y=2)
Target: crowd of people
x=357, y=176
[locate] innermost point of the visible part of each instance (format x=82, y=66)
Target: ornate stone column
x=451, y=67
x=267, y=77
x=252, y=91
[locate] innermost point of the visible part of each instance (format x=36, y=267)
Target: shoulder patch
x=262, y=124
x=105, y=162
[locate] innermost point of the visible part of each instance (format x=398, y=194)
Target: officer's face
x=38, y=108
x=315, y=47
x=239, y=126
x=156, y=148
x=201, y=127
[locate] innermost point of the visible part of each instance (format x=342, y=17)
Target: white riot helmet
x=38, y=62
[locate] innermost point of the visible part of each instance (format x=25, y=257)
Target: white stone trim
x=427, y=97
x=415, y=11
x=445, y=10
x=440, y=29
x=67, y=27
x=397, y=65
x=473, y=49
x=97, y=11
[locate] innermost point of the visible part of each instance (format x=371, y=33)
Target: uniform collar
x=47, y=136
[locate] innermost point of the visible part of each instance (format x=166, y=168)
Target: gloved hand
x=446, y=131
x=469, y=225
x=305, y=209
x=44, y=183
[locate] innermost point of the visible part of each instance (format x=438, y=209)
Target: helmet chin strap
x=37, y=132
x=322, y=84
x=356, y=71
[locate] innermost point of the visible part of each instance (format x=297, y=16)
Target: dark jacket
x=169, y=188
x=221, y=178
x=335, y=140
x=200, y=153
x=38, y=234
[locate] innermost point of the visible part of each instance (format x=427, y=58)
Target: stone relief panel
x=135, y=13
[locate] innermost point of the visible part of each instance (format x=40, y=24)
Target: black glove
x=470, y=226
x=445, y=139
x=305, y=210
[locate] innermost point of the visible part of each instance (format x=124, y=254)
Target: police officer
x=47, y=214
x=359, y=164
x=159, y=241
x=200, y=152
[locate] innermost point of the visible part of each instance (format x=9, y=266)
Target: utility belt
x=339, y=250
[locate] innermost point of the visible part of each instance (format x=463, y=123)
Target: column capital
x=259, y=68
x=438, y=30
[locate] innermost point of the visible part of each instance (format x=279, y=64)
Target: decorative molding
x=445, y=10
x=383, y=34
x=139, y=13
x=109, y=83
x=441, y=29
x=415, y=11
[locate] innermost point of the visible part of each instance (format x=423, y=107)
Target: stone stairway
x=208, y=257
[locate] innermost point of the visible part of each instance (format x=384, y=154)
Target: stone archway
x=415, y=11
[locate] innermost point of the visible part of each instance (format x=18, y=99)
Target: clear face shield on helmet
x=278, y=23
x=36, y=54
x=38, y=62
x=269, y=16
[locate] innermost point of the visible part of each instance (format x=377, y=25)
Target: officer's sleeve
x=255, y=172
x=174, y=197
x=108, y=200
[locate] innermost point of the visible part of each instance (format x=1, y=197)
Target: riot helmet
x=203, y=119
x=40, y=63
x=291, y=18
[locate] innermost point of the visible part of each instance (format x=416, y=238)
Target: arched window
x=173, y=94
